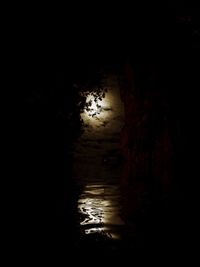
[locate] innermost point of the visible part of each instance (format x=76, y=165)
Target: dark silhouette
x=155, y=56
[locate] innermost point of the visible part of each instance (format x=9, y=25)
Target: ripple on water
x=99, y=208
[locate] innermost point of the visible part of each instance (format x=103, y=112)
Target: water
x=99, y=202
x=99, y=208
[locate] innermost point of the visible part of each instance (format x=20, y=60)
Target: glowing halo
x=95, y=107
x=97, y=110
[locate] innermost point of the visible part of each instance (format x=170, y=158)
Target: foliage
x=93, y=85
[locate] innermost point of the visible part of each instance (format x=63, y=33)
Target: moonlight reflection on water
x=96, y=166
x=99, y=206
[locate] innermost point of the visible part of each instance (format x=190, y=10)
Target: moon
x=105, y=115
x=97, y=109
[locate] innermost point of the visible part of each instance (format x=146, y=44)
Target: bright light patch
x=103, y=115
x=100, y=209
x=97, y=108
x=97, y=111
